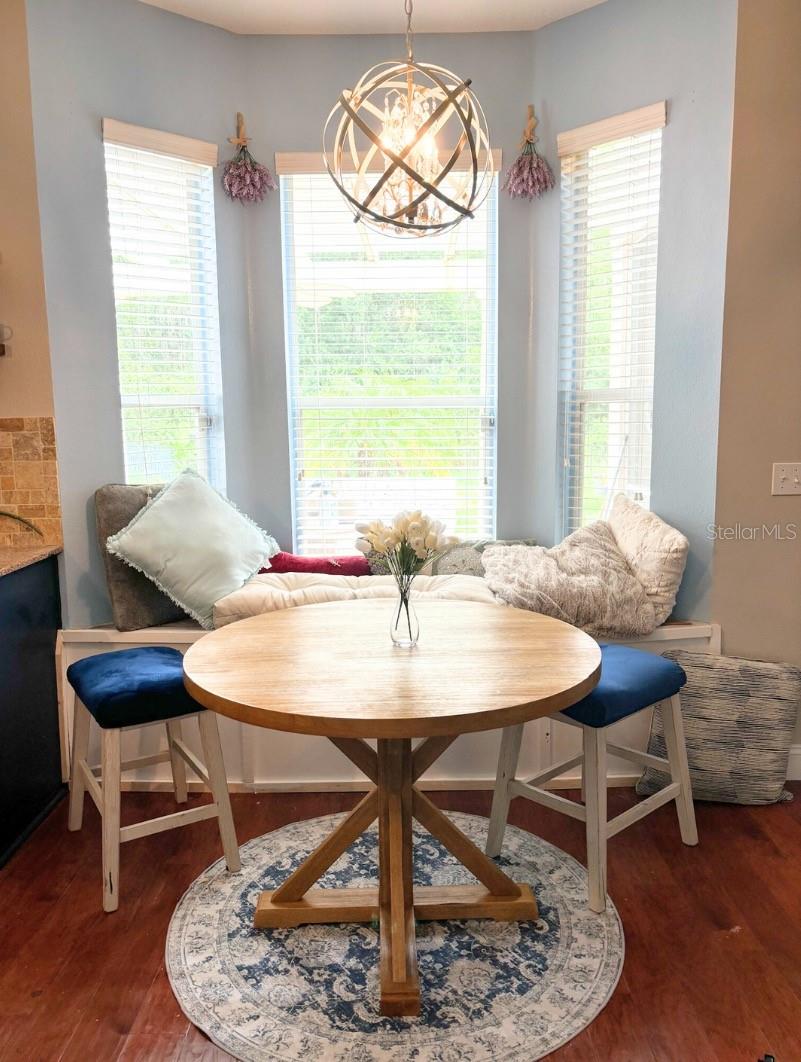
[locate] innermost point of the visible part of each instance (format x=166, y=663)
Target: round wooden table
x=332, y=670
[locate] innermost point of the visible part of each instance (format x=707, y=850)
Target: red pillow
x=290, y=562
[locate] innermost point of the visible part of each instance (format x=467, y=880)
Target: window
x=391, y=365
x=161, y=221
x=609, y=234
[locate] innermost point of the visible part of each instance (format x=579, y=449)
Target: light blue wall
x=615, y=57
x=122, y=59
x=91, y=58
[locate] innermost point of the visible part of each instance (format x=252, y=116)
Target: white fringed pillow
x=655, y=551
x=194, y=544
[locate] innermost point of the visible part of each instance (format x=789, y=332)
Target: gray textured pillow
x=739, y=717
x=135, y=601
x=463, y=558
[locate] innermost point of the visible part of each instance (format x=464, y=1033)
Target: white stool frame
x=593, y=789
x=103, y=785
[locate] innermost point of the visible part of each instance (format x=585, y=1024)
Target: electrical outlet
x=786, y=477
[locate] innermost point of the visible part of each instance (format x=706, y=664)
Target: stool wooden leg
x=110, y=780
x=673, y=727
x=80, y=750
x=176, y=761
x=594, y=773
x=507, y=766
x=212, y=754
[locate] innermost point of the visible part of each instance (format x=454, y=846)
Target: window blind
x=391, y=369
x=609, y=237
x=161, y=222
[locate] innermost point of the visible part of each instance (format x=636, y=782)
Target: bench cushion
x=631, y=680
x=131, y=687
x=272, y=591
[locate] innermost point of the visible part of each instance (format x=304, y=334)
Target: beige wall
x=25, y=384
x=757, y=584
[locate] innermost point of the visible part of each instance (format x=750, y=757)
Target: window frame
x=292, y=164
x=572, y=400
x=210, y=425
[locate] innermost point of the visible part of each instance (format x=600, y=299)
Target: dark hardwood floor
x=713, y=934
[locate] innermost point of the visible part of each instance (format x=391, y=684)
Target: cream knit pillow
x=656, y=552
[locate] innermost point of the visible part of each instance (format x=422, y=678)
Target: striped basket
x=739, y=718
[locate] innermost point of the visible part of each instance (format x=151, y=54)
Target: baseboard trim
x=432, y=785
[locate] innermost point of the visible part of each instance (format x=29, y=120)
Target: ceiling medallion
x=408, y=147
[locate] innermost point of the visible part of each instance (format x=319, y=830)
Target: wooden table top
x=332, y=670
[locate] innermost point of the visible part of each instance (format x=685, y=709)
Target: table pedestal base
x=432, y=903
x=395, y=801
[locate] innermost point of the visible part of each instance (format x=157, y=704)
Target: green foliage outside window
x=392, y=346
x=155, y=343
x=595, y=421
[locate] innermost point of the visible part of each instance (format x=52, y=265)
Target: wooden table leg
x=395, y=801
x=400, y=985
x=290, y=904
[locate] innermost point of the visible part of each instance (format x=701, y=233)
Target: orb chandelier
x=408, y=147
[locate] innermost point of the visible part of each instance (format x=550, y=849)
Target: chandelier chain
x=408, y=7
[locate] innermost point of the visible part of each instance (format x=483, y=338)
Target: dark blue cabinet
x=30, y=762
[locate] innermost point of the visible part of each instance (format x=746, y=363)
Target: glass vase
x=404, y=627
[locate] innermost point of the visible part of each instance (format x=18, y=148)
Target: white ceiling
x=374, y=16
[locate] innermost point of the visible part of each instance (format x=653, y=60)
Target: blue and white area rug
x=491, y=991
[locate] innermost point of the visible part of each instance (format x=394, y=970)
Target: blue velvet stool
x=631, y=680
x=133, y=688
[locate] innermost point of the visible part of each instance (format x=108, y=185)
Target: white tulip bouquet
x=407, y=544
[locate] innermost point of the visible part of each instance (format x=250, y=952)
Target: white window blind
x=391, y=366
x=161, y=221
x=609, y=236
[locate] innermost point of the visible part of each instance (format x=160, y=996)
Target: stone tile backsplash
x=29, y=481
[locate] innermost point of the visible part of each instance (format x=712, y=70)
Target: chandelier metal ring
x=384, y=148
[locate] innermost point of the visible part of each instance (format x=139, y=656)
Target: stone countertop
x=12, y=558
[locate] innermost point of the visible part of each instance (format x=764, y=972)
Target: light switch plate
x=786, y=477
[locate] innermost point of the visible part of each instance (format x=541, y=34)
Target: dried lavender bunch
x=245, y=179
x=529, y=175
